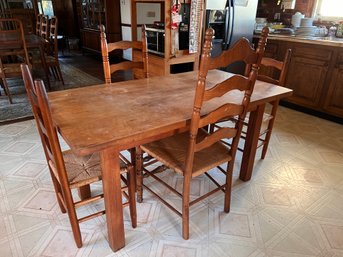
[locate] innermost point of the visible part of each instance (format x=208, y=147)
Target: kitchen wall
x=147, y=13
x=305, y=7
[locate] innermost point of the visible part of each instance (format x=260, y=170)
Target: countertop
x=327, y=41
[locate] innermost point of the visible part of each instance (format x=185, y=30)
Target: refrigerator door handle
x=227, y=22
x=230, y=22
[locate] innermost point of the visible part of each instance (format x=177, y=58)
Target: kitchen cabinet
x=96, y=12
x=315, y=74
x=333, y=103
x=307, y=75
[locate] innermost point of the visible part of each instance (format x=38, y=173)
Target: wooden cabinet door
x=334, y=100
x=306, y=77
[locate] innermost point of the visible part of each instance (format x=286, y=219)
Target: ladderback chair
x=271, y=71
x=51, y=57
x=139, y=64
x=281, y=69
x=69, y=171
x=196, y=152
x=13, y=52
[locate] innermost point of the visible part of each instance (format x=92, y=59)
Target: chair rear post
x=285, y=67
x=145, y=52
x=104, y=53
x=198, y=99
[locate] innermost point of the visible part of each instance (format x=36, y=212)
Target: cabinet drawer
x=312, y=53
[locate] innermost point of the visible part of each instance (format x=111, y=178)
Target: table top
x=31, y=40
x=126, y=114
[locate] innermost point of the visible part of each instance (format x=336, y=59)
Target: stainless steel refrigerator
x=231, y=20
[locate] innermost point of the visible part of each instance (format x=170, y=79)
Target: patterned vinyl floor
x=293, y=206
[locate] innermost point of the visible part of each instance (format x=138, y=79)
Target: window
x=330, y=9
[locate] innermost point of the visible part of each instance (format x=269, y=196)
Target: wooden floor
x=92, y=64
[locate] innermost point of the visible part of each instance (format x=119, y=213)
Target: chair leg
x=73, y=218
x=132, y=201
x=227, y=199
x=58, y=191
x=84, y=192
x=139, y=174
x=269, y=129
x=185, y=206
x=53, y=71
x=59, y=73
x=7, y=90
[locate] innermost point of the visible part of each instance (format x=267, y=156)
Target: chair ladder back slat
x=224, y=111
x=240, y=51
x=124, y=45
x=126, y=65
x=44, y=28
x=38, y=24
x=222, y=133
x=235, y=82
x=268, y=79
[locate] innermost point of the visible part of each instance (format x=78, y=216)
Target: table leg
x=113, y=198
x=251, y=142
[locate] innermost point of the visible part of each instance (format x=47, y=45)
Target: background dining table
x=32, y=41
x=115, y=117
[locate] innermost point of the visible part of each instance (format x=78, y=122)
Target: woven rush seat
x=172, y=151
x=85, y=169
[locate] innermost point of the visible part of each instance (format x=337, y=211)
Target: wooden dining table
x=118, y=116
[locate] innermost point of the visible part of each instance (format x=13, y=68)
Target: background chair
x=50, y=49
x=69, y=171
x=51, y=53
x=139, y=64
x=275, y=72
x=195, y=153
x=13, y=52
x=271, y=71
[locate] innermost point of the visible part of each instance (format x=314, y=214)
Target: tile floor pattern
x=293, y=206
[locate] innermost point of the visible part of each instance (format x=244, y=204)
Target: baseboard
x=312, y=112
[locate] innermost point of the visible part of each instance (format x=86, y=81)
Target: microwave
x=155, y=40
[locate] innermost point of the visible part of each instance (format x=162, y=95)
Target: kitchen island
x=315, y=73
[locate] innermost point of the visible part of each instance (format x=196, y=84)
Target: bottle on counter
x=339, y=31
x=332, y=31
